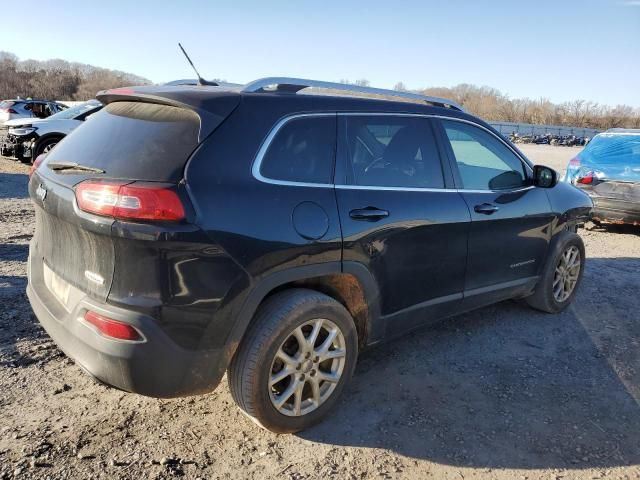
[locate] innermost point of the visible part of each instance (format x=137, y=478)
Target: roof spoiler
x=212, y=106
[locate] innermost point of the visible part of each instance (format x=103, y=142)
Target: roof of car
x=182, y=89
x=25, y=100
x=633, y=131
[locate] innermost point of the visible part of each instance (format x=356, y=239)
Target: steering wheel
x=374, y=162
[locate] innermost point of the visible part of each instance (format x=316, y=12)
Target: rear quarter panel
x=249, y=221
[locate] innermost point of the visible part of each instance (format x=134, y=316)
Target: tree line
x=492, y=105
x=58, y=79
x=62, y=80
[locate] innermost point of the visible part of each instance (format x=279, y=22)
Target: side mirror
x=544, y=177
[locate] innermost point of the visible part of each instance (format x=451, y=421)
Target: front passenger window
x=484, y=162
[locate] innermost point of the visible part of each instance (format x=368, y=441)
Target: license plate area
x=57, y=286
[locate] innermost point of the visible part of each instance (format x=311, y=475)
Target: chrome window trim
x=429, y=189
x=266, y=143
x=394, y=189
x=257, y=162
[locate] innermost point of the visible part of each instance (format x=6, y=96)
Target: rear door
x=510, y=227
x=400, y=217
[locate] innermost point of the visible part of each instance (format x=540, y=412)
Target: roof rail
x=293, y=85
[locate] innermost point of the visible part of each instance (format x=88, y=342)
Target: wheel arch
x=47, y=136
x=349, y=283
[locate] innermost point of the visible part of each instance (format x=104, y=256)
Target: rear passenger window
x=388, y=151
x=303, y=150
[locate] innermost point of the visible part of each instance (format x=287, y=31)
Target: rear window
x=303, y=150
x=622, y=149
x=7, y=104
x=133, y=140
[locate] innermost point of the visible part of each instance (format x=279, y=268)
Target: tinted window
x=303, y=150
x=484, y=162
x=135, y=140
x=386, y=151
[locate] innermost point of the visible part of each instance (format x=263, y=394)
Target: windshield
x=76, y=111
x=621, y=149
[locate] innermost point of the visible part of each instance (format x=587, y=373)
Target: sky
x=561, y=50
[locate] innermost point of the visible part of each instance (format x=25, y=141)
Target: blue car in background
x=608, y=170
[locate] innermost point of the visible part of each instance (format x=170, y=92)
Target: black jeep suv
x=189, y=230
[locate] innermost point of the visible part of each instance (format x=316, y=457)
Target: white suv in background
x=29, y=137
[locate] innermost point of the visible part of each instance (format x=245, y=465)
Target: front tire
x=44, y=146
x=294, y=361
x=561, y=276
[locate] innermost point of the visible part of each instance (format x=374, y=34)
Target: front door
x=400, y=216
x=510, y=218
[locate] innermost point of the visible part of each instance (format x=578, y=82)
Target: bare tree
x=57, y=79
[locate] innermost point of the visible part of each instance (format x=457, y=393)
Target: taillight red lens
x=108, y=327
x=11, y=110
x=36, y=163
x=586, y=179
x=130, y=201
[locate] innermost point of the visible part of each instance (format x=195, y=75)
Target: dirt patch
x=504, y=392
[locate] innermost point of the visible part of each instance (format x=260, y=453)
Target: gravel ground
x=504, y=392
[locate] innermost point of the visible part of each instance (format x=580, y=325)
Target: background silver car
x=21, y=108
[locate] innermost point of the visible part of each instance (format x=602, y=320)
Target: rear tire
x=561, y=276
x=274, y=360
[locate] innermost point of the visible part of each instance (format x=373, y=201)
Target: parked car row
x=549, y=139
x=32, y=130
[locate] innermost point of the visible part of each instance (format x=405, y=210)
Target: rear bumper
x=156, y=367
x=611, y=210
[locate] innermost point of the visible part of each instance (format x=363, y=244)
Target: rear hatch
x=609, y=167
x=142, y=137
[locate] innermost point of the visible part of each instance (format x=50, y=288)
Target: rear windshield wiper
x=72, y=166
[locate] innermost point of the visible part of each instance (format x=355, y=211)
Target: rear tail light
x=108, y=327
x=36, y=163
x=8, y=110
x=130, y=201
x=586, y=179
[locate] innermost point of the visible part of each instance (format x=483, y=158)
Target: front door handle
x=486, y=208
x=369, y=214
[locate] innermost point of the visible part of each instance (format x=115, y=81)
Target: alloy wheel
x=307, y=367
x=566, y=274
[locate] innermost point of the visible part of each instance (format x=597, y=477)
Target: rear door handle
x=369, y=214
x=486, y=208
